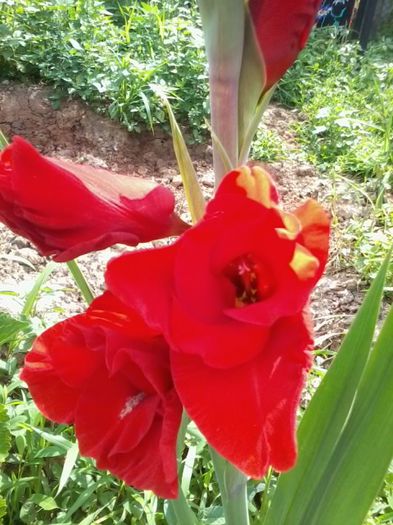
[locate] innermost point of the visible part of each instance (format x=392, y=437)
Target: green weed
x=347, y=99
x=109, y=54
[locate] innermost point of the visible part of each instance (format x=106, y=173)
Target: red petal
x=142, y=280
x=147, y=365
x=247, y=413
x=223, y=344
x=56, y=369
x=127, y=439
x=102, y=415
x=108, y=310
x=68, y=209
x=282, y=28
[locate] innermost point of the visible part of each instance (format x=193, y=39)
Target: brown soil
x=75, y=132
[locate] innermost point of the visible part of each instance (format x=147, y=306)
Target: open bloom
x=108, y=373
x=69, y=209
x=231, y=296
x=282, y=28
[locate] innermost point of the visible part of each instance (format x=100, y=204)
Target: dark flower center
x=251, y=278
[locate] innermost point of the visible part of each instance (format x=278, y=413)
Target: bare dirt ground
x=75, y=132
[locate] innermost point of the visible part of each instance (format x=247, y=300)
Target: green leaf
x=5, y=438
x=3, y=509
x=10, y=328
x=28, y=509
x=233, y=488
x=251, y=85
x=80, y=281
x=34, y=293
x=47, y=503
x=3, y=140
x=69, y=463
x=57, y=440
x=192, y=190
x=80, y=501
x=363, y=454
x=75, y=44
x=146, y=103
x=251, y=124
x=326, y=417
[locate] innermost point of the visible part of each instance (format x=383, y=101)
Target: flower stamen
x=131, y=404
x=251, y=279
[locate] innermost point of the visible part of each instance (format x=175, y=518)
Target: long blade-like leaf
x=3, y=140
x=69, y=463
x=32, y=296
x=327, y=413
x=194, y=196
x=362, y=456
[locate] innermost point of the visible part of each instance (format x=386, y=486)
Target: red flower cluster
x=226, y=306
x=69, y=209
x=108, y=373
x=230, y=296
x=282, y=28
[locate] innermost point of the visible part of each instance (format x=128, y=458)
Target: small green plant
x=268, y=146
x=109, y=54
x=347, y=98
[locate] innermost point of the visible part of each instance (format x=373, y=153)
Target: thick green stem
x=223, y=23
x=179, y=506
x=80, y=280
x=233, y=488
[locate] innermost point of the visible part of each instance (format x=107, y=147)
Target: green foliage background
x=109, y=53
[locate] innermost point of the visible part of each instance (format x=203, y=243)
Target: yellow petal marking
x=257, y=184
x=303, y=263
x=291, y=228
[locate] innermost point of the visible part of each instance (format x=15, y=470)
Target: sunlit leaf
x=69, y=463
x=10, y=328
x=5, y=437
x=192, y=189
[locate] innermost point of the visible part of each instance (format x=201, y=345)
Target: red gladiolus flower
x=108, y=373
x=231, y=295
x=68, y=209
x=282, y=28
